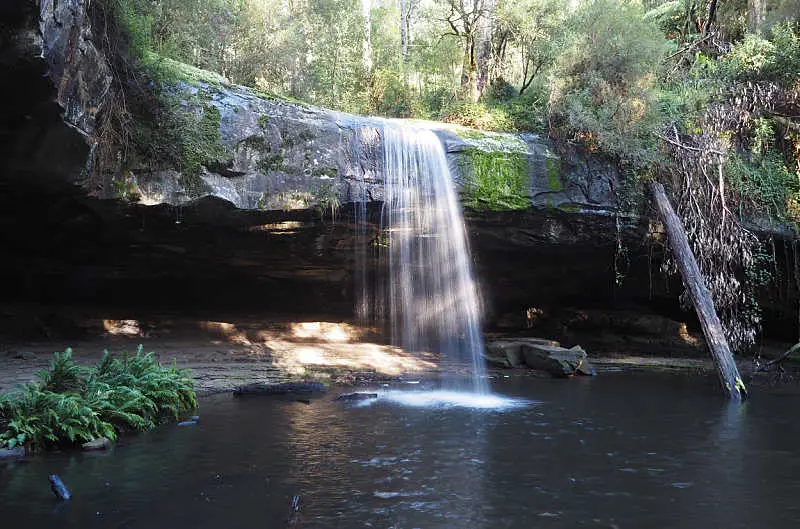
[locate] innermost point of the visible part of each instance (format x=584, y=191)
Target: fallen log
x=701, y=298
x=59, y=489
x=793, y=349
x=285, y=388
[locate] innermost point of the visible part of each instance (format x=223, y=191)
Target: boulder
x=285, y=388
x=557, y=361
x=12, y=453
x=508, y=353
x=101, y=443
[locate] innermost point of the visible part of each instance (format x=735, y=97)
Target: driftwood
x=59, y=489
x=286, y=388
x=777, y=361
x=700, y=296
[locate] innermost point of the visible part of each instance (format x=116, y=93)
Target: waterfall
x=429, y=297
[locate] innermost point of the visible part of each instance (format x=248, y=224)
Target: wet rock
x=12, y=453
x=356, y=396
x=557, y=361
x=585, y=368
x=188, y=423
x=59, y=489
x=101, y=443
x=21, y=355
x=510, y=352
x=497, y=361
x=285, y=388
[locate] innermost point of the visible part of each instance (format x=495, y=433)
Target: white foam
x=451, y=399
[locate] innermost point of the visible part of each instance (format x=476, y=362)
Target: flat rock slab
x=356, y=396
x=285, y=388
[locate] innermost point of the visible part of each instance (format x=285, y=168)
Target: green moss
x=256, y=142
x=470, y=134
x=553, y=166
x=272, y=162
x=201, y=142
x=570, y=208
x=330, y=172
x=497, y=180
x=274, y=97
x=166, y=70
x=263, y=121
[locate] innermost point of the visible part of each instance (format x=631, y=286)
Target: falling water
x=430, y=296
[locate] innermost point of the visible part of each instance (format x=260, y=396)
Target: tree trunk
x=701, y=298
x=468, y=70
x=484, y=52
x=756, y=10
x=366, y=12
x=404, y=32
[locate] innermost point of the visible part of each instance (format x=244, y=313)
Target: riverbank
x=222, y=355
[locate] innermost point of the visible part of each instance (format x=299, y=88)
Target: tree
x=485, y=53
x=464, y=17
x=530, y=26
x=756, y=11
x=366, y=13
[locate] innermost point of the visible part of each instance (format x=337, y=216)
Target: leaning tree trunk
x=701, y=298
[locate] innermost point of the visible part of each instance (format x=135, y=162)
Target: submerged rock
x=356, y=396
x=191, y=422
x=12, y=453
x=285, y=388
x=101, y=443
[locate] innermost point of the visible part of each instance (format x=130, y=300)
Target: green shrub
x=480, y=116
x=602, y=90
x=764, y=186
x=757, y=58
x=75, y=404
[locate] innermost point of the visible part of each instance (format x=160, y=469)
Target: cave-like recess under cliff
x=553, y=268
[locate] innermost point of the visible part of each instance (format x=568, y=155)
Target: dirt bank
x=224, y=354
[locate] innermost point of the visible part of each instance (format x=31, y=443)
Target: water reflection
x=615, y=451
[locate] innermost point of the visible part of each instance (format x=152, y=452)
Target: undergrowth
x=73, y=404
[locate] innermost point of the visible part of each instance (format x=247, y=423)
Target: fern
x=71, y=404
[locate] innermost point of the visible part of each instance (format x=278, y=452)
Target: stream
x=615, y=451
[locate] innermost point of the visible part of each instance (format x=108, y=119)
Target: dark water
x=613, y=451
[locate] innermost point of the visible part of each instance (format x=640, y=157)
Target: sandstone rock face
x=78, y=68
x=281, y=155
